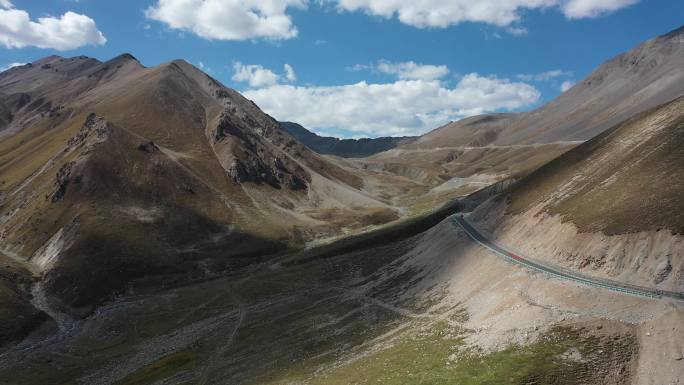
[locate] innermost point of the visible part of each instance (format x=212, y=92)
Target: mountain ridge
x=98, y=153
x=158, y=227
x=611, y=206
x=644, y=77
x=347, y=148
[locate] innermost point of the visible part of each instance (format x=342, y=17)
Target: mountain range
x=158, y=227
x=348, y=148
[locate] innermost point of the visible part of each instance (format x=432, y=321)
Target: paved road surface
x=559, y=272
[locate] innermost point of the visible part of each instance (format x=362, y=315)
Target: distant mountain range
x=348, y=148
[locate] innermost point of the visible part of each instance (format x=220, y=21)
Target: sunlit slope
x=611, y=207
x=430, y=308
x=112, y=172
x=628, y=179
x=648, y=75
x=461, y=156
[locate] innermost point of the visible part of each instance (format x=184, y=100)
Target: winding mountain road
x=559, y=272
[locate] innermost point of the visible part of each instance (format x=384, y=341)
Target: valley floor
x=434, y=308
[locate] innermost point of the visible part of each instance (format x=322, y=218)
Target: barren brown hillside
x=628, y=179
x=648, y=75
x=156, y=227
x=498, y=146
x=611, y=207
x=111, y=172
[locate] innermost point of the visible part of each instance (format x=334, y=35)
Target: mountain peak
x=180, y=62
x=126, y=56
x=674, y=33
x=47, y=59
x=182, y=66
x=124, y=59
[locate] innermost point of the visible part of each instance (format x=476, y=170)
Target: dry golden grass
x=628, y=179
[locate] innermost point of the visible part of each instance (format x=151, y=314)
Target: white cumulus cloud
x=255, y=75
x=290, y=73
x=269, y=19
x=10, y=65
x=444, y=13
x=566, y=85
x=403, y=107
x=411, y=70
x=258, y=76
x=228, y=19
x=69, y=31
x=579, y=9
x=544, y=76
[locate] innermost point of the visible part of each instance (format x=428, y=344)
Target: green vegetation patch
x=160, y=369
x=436, y=354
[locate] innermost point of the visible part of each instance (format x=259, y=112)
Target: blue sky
x=359, y=67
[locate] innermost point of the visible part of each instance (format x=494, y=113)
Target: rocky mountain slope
x=112, y=172
x=462, y=156
x=648, y=75
x=610, y=207
x=348, y=148
x=431, y=307
x=150, y=218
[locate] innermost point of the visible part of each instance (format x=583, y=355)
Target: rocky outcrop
x=275, y=174
x=253, y=159
x=148, y=147
x=62, y=181
x=94, y=131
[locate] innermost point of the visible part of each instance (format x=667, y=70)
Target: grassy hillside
x=354, y=316
x=628, y=179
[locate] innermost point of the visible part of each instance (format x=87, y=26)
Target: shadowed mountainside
x=163, y=210
x=348, y=148
x=111, y=172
